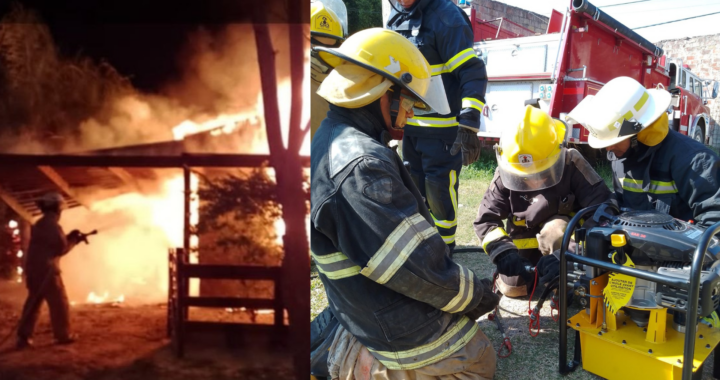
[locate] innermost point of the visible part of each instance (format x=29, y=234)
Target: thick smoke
x=53, y=103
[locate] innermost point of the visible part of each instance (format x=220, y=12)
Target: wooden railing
x=179, y=299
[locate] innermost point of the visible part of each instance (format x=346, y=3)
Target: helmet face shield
x=435, y=99
x=531, y=175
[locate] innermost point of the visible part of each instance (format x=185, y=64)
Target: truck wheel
x=698, y=136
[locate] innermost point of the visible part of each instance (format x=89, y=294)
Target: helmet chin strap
x=394, y=103
x=400, y=105
x=633, y=141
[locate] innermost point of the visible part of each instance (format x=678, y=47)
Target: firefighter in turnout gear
x=48, y=243
x=653, y=166
x=406, y=310
x=433, y=140
x=328, y=27
x=539, y=184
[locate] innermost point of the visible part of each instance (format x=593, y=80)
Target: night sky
x=142, y=40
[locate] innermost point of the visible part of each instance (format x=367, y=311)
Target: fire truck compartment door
x=506, y=104
x=517, y=60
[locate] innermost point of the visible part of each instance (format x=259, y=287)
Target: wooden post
x=171, y=301
x=180, y=316
x=187, y=192
x=279, y=307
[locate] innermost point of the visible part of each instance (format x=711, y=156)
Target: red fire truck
x=581, y=51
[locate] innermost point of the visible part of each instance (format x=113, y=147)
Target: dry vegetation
x=46, y=95
x=129, y=342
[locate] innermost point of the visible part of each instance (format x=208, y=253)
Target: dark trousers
x=52, y=291
x=435, y=172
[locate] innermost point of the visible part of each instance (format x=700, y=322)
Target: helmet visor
x=532, y=175
x=434, y=100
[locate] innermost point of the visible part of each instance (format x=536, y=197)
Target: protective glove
x=550, y=236
x=548, y=268
x=466, y=139
x=488, y=302
x=510, y=264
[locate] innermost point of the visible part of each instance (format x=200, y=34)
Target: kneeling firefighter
x=405, y=309
x=48, y=243
x=538, y=185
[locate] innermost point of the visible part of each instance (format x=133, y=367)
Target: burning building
x=132, y=165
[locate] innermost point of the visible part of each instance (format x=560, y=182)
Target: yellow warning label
x=620, y=287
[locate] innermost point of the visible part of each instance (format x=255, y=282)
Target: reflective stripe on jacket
x=386, y=270
x=525, y=212
x=443, y=33
x=679, y=177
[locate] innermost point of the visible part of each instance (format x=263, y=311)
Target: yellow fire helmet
x=325, y=21
x=328, y=27
x=394, y=57
x=620, y=110
x=531, y=154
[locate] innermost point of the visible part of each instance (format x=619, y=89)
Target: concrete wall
x=489, y=10
x=702, y=54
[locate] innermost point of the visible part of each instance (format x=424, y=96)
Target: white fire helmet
x=621, y=109
x=52, y=199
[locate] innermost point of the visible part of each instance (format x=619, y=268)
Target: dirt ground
x=129, y=342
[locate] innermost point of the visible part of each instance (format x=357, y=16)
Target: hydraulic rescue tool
x=648, y=285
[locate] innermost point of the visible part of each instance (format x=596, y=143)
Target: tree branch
x=297, y=73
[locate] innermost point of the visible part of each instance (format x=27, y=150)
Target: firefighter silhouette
x=324, y=23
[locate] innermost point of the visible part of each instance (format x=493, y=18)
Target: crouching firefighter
x=653, y=166
x=48, y=243
x=538, y=186
x=405, y=309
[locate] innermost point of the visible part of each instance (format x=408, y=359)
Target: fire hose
x=81, y=237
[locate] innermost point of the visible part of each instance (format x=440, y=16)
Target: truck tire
x=698, y=135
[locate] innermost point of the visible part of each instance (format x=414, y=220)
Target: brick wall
x=489, y=10
x=702, y=54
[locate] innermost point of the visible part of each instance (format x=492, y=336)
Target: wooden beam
x=53, y=176
x=124, y=176
x=145, y=161
x=15, y=205
x=214, y=271
x=233, y=328
x=229, y=302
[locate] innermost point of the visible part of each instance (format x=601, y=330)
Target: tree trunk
x=288, y=172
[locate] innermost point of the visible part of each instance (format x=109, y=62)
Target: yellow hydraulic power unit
x=648, y=285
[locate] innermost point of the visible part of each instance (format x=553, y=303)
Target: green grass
x=532, y=358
